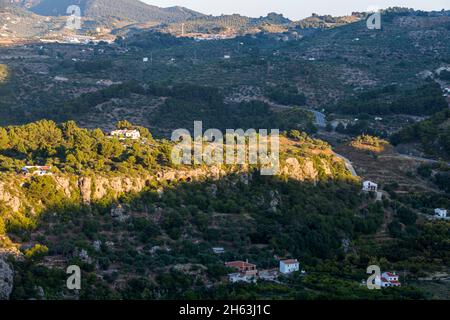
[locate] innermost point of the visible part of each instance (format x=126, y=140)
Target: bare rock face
x=10, y=200
x=6, y=279
x=84, y=184
x=303, y=172
x=326, y=168
x=64, y=184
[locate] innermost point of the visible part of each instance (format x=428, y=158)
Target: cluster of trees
x=369, y=142
x=188, y=103
x=286, y=95
x=444, y=75
x=432, y=133
x=425, y=100
x=73, y=149
x=87, y=101
x=153, y=40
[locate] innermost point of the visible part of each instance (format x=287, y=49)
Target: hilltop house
x=36, y=170
x=388, y=279
x=370, y=186
x=289, y=266
x=126, y=134
x=441, y=213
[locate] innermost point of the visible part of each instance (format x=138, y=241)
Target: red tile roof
x=391, y=274
x=289, y=261
x=239, y=264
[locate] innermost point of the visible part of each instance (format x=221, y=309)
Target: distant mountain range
x=133, y=11
x=125, y=15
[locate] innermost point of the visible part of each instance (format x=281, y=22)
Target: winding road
x=348, y=164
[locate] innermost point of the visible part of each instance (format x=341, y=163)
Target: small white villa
x=126, y=134
x=218, y=250
x=37, y=170
x=370, y=186
x=289, y=266
x=440, y=213
x=388, y=279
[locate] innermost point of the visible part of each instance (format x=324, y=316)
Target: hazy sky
x=296, y=9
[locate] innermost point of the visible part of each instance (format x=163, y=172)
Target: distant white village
x=369, y=186
x=126, y=134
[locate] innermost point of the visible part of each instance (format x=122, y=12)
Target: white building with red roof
x=289, y=266
x=242, y=266
x=388, y=279
x=247, y=271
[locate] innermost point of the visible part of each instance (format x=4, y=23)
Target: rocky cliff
x=93, y=187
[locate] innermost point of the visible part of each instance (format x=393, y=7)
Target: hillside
x=134, y=222
x=432, y=135
x=142, y=227
x=127, y=10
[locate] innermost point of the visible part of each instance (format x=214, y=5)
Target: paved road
x=348, y=164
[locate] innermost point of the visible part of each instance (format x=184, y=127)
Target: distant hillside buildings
x=248, y=272
x=126, y=134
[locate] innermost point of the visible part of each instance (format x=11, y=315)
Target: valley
x=353, y=105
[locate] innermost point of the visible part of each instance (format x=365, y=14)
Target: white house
x=289, y=266
x=388, y=279
x=370, y=186
x=441, y=213
x=41, y=173
x=37, y=170
x=126, y=134
x=218, y=250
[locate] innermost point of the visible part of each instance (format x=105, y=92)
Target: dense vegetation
x=164, y=247
x=425, y=100
x=129, y=10
x=160, y=248
x=433, y=134
x=72, y=149
x=187, y=103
